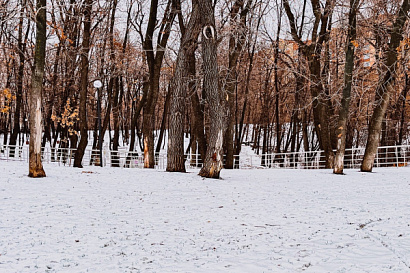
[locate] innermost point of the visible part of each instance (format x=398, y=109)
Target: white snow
x=133, y=220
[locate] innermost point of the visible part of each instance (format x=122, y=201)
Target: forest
x=280, y=76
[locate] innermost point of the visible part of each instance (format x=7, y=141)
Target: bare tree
x=312, y=51
x=385, y=87
x=22, y=44
x=84, y=84
x=154, y=60
x=35, y=164
x=213, y=159
x=179, y=87
x=348, y=76
x=238, y=18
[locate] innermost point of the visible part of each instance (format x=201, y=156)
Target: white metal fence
x=388, y=156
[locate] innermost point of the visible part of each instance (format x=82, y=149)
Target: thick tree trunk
x=348, y=75
x=385, y=88
x=35, y=164
x=197, y=109
x=179, y=86
x=213, y=159
x=84, y=85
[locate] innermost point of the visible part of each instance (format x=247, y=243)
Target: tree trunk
x=163, y=122
x=213, y=159
x=385, y=88
x=277, y=94
x=403, y=100
x=20, y=76
x=148, y=124
x=116, y=89
x=115, y=159
x=134, y=120
x=179, y=85
x=305, y=134
x=154, y=66
x=320, y=110
x=236, y=42
x=197, y=119
x=84, y=85
x=345, y=105
x=35, y=164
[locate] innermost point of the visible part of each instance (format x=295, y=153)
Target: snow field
x=132, y=220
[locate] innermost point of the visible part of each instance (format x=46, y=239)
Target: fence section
x=388, y=156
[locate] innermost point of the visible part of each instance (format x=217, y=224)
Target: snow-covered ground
x=132, y=220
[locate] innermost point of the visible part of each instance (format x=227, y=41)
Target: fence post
x=377, y=158
x=351, y=162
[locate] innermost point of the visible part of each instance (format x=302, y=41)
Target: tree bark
x=84, y=85
x=385, y=88
x=277, y=94
x=213, y=159
x=35, y=164
x=163, y=122
x=116, y=85
x=20, y=75
x=197, y=119
x=348, y=76
x=402, y=107
x=117, y=98
x=179, y=86
x=236, y=42
x=154, y=67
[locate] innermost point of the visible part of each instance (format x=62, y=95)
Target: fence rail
x=387, y=156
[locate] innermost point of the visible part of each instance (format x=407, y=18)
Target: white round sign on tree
x=97, y=84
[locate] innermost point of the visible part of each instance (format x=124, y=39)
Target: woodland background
x=275, y=71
